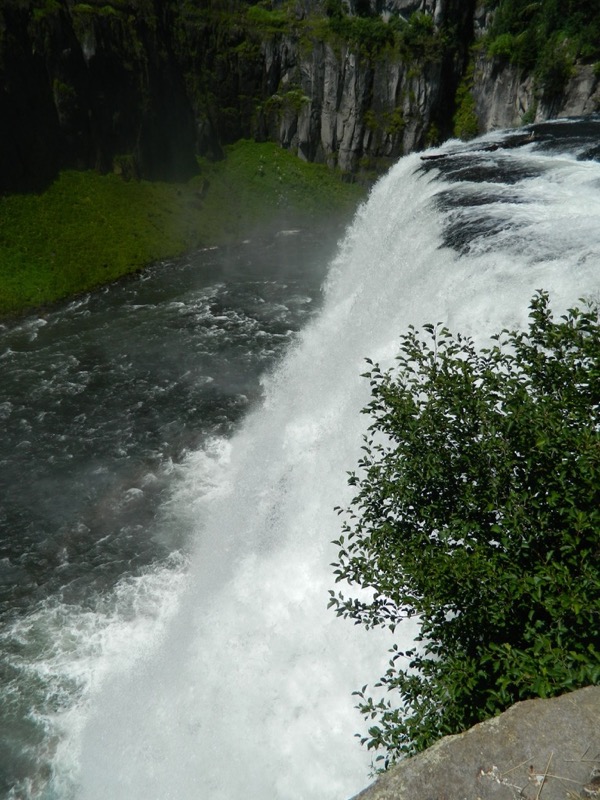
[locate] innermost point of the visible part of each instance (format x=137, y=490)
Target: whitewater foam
x=247, y=691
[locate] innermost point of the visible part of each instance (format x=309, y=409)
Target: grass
x=89, y=229
x=260, y=185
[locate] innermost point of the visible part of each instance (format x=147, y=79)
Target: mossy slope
x=89, y=229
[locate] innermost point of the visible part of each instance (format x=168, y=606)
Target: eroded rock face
x=537, y=750
x=335, y=107
x=81, y=85
x=438, y=9
x=142, y=88
x=504, y=98
x=582, y=94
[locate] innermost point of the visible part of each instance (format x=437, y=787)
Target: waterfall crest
x=245, y=690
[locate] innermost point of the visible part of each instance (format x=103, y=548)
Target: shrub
x=478, y=512
x=465, y=122
x=420, y=36
x=531, y=35
x=368, y=36
x=268, y=20
x=503, y=46
x=554, y=68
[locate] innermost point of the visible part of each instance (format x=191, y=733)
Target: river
x=173, y=449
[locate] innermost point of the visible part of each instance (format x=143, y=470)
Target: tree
x=477, y=509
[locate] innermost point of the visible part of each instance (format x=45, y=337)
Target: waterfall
x=242, y=686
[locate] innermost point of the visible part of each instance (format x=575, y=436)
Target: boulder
x=537, y=750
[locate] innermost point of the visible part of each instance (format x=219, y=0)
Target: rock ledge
x=537, y=750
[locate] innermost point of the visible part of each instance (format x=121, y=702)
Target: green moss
x=89, y=229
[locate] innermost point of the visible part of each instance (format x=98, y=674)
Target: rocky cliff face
x=346, y=112
x=344, y=102
x=504, y=98
x=88, y=86
x=142, y=86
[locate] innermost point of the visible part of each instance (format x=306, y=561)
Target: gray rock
x=582, y=94
x=502, y=96
x=83, y=88
x=537, y=750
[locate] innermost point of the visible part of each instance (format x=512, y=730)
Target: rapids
x=191, y=653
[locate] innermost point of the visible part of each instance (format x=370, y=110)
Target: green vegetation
x=466, y=124
x=391, y=123
x=260, y=185
x=478, y=511
x=546, y=38
x=370, y=35
x=44, y=9
x=88, y=229
x=289, y=100
x=268, y=20
x=366, y=33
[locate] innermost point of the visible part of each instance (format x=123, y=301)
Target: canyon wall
x=143, y=87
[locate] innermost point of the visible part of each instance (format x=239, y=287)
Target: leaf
x=476, y=510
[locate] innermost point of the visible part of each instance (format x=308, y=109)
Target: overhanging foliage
x=478, y=510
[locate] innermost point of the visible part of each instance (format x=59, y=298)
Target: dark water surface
x=99, y=399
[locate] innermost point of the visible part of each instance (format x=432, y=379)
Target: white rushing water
x=229, y=679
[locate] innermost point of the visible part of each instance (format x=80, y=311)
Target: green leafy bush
x=269, y=20
x=465, y=122
x=503, y=46
x=478, y=512
x=367, y=35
